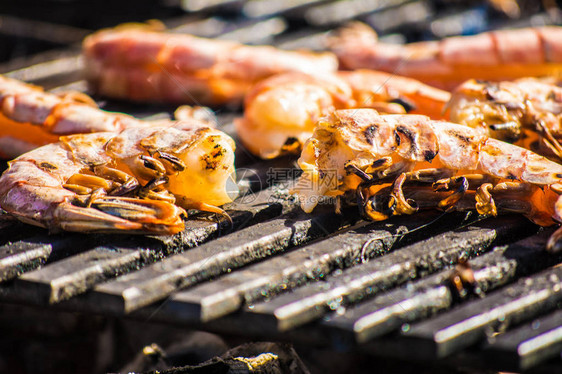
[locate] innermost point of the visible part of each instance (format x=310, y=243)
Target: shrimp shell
x=141, y=64
x=495, y=55
x=138, y=180
x=362, y=152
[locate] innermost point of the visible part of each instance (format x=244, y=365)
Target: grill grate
x=278, y=273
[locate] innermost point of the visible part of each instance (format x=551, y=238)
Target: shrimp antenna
x=401, y=235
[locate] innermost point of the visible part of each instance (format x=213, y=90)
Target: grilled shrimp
x=142, y=64
x=138, y=180
x=494, y=55
x=526, y=112
x=281, y=111
x=30, y=117
x=397, y=164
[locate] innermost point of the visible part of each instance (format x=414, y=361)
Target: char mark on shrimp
x=370, y=133
x=48, y=166
x=463, y=138
x=410, y=136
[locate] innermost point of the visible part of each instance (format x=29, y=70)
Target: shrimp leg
x=397, y=202
x=459, y=184
x=462, y=183
x=409, y=206
x=126, y=182
x=403, y=205
x=548, y=139
x=485, y=204
x=511, y=197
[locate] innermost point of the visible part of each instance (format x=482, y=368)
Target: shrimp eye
x=408, y=105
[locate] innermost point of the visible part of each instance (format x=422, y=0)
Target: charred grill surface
x=334, y=280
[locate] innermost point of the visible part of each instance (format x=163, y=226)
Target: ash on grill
x=350, y=295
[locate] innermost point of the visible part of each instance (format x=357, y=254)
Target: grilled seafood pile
x=494, y=55
x=138, y=180
x=30, y=117
x=139, y=63
x=397, y=164
x=281, y=111
x=526, y=112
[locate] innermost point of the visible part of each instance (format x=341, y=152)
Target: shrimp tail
x=115, y=214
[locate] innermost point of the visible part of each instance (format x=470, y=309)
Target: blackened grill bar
x=431, y=295
x=359, y=282
x=312, y=262
x=383, y=288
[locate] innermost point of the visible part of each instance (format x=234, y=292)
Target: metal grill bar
x=157, y=281
x=526, y=346
x=20, y=256
x=427, y=297
x=282, y=273
x=314, y=300
x=338, y=12
x=74, y=275
x=393, y=18
x=16, y=258
x=51, y=32
x=267, y=8
x=465, y=325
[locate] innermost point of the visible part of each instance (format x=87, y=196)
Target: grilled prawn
x=139, y=63
x=138, y=180
x=397, y=164
x=494, y=55
x=281, y=111
x=527, y=112
x=30, y=117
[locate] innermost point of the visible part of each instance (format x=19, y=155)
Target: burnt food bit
x=48, y=166
x=213, y=159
